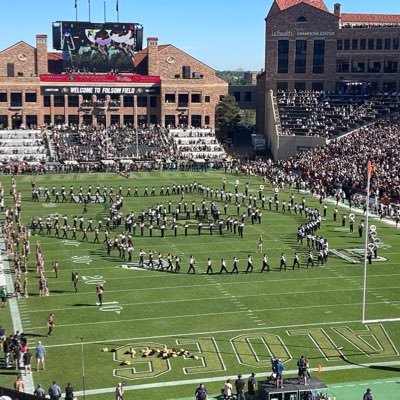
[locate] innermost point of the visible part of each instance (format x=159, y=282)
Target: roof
x=371, y=18
x=21, y=42
x=53, y=56
x=284, y=4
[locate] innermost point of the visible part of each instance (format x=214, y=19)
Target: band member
x=265, y=265
x=223, y=266
x=209, y=267
x=283, y=262
x=260, y=245
x=191, y=269
x=249, y=268
x=296, y=261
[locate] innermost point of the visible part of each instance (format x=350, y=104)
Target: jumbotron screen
x=98, y=47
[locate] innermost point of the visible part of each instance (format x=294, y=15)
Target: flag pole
x=117, y=8
x=105, y=12
x=76, y=10
x=89, y=10
x=366, y=241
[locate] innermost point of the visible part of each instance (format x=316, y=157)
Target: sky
x=224, y=34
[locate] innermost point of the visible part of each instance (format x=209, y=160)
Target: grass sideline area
x=226, y=324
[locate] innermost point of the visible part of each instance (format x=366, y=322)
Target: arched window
x=302, y=19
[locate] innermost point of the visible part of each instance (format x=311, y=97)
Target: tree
x=228, y=116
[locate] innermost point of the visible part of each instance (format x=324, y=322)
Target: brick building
x=169, y=87
x=309, y=47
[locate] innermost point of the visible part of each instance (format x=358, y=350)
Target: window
x=183, y=100
x=31, y=121
x=87, y=120
x=236, y=95
x=371, y=43
x=319, y=57
x=379, y=44
x=300, y=64
x=300, y=86
x=16, y=99
x=346, y=44
x=142, y=119
x=247, y=97
x=115, y=119
x=395, y=43
x=390, y=67
x=207, y=120
x=3, y=121
x=363, y=44
x=358, y=67
x=374, y=67
x=73, y=101
x=207, y=99
x=282, y=86
x=153, y=119
x=3, y=97
x=73, y=119
x=30, y=97
x=170, y=98
x=10, y=70
x=47, y=119
x=196, y=121
x=354, y=44
x=339, y=45
x=128, y=120
x=169, y=120
x=317, y=86
x=388, y=44
x=46, y=101
x=153, y=101
x=128, y=101
x=60, y=119
x=302, y=19
x=59, y=101
x=196, y=98
x=142, y=101
x=342, y=66
x=283, y=56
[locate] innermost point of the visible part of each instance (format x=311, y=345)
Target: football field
x=162, y=333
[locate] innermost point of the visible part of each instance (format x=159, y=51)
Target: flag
x=369, y=169
x=76, y=3
x=117, y=6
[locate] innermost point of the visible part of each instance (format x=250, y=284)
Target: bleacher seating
x=195, y=144
x=22, y=145
x=314, y=113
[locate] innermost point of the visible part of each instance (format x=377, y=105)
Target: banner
x=99, y=90
x=108, y=78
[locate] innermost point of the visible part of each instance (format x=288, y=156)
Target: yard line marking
x=224, y=378
x=14, y=311
x=177, y=335
x=250, y=312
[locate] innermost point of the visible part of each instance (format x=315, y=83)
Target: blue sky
x=225, y=34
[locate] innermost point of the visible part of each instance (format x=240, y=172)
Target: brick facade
x=195, y=89
x=345, y=39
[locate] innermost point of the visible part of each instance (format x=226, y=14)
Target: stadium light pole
x=366, y=242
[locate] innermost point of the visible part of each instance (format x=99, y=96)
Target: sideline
x=224, y=378
x=14, y=310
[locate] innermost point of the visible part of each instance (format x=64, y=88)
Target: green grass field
x=232, y=323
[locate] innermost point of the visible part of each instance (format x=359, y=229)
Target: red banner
x=78, y=78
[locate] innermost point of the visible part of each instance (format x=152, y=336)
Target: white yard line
x=14, y=310
x=178, y=335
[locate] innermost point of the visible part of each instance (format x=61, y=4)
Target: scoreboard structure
x=98, y=47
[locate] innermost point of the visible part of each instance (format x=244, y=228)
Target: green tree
x=228, y=116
